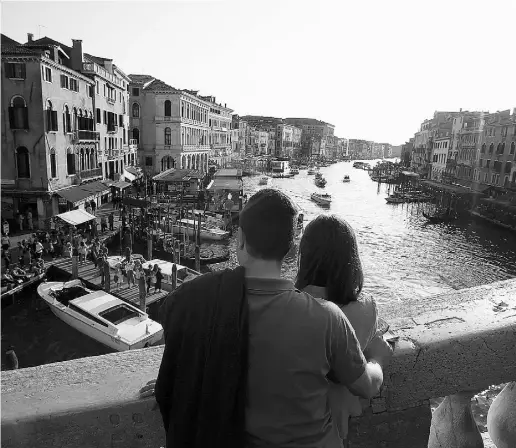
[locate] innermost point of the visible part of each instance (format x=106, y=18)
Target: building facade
x=315, y=135
x=49, y=139
x=219, y=136
x=441, y=146
x=170, y=126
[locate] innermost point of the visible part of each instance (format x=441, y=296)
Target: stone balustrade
x=452, y=346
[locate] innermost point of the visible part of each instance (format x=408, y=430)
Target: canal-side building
x=170, y=125
x=49, y=138
x=496, y=165
x=219, y=122
x=406, y=153
x=315, y=133
x=441, y=146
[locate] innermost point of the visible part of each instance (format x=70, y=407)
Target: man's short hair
x=267, y=222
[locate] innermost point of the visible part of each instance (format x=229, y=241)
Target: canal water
x=405, y=259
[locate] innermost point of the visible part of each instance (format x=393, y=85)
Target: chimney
x=30, y=37
x=76, y=55
x=56, y=54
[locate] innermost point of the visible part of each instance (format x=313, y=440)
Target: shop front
x=79, y=197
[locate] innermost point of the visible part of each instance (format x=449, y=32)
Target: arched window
x=67, y=120
x=168, y=136
x=80, y=120
x=136, y=135
x=92, y=159
x=52, y=125
x=513, y=147
x=168, y=108
x=18, y=113
x=75, y=121
x=136, y=110
x=53, y=164
x=502, y=149
x=483, y=147
x=22, y=162
x=70, y=161
x=491, y=148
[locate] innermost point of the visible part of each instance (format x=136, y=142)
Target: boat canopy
x=225, y=183
x=165, y=266
x=76, y=217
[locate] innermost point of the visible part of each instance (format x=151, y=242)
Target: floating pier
x=90, y=276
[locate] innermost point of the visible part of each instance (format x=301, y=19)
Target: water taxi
x=294, y=171
x=101, y=316
x=320, y=182
x=280, y=168
x=346, y=178
x=321, y=199
x=209, y=231
x=311, y=171
x=264, y=180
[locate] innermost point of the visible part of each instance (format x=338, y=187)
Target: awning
x=129, y=176
x=120, y=184
x=74, y=194
x=137, y=172
x=96, y=187
x=225, y=183
x=76, y=217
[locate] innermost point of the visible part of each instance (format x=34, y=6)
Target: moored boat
x=208, y=231
x=264, y=180
x=321, y=199
x=101, y=316
x=320, y=182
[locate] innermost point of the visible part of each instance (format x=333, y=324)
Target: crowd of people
x=279, y=363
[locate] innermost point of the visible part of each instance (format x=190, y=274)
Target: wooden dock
x=91, y=278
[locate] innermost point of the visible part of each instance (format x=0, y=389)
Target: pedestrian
x=103, y=224
x=118, y=276
x=38, y=249
x=129, y=268
x=100, y=265
x=89, y=209
x=6, y=256
x=29, y=220
x=6, y=242
x=93, y=206
x=159, y=276
x=83, y=251
x=20, y=221
x=149, y=275
x=140, y=273
x=5, y=227
x=111, y=221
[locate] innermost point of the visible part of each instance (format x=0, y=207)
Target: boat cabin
x=226, y=190
x=280, y=167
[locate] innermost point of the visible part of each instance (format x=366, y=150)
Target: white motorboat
x=209, y=231
x=346, y=179
x=321, y=199
x=100, y=315
x=294, y=171
x=264, y=180
x=280, y=168
x=395, y=200
x=311, y=171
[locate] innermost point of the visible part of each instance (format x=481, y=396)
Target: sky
x=373, y=68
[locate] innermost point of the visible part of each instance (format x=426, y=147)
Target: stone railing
x=452, y=346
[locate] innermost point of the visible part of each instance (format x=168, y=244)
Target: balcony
x=458, y=345
x=111, y=100
x=161, y=118
x=88, y=174
x=112, y=153
x=86, y=136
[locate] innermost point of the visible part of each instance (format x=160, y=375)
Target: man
x=290, y=345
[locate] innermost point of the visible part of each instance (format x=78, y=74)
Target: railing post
x=501, y=418
x=453, y=425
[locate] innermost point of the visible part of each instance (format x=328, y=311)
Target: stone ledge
x=94, y=401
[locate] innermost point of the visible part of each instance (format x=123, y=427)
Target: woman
x=129, y=268
x=330, y=268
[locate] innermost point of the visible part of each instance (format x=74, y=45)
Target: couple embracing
x=252, y=359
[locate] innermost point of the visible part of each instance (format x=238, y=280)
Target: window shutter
x=105, y=117
x=10, y=70
x=23, y=71
x=55, y=125
x=11, y=117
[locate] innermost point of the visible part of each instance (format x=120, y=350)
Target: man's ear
x=241, y=239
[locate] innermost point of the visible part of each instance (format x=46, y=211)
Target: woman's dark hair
x=328, y=257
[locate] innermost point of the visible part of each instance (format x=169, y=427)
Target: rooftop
x=175, y=175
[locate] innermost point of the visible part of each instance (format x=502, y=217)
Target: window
x=483, y=148
x=148, y=161
x=182, y=109
x=136, y=110
x=491, y=148
x=502, y=148
x=513, y=147
x=121, y=121
x=136, y=91
x=136, y=135
x=98, y=87
x=67, y=125
x=168, y=136
x=18, y=114
x=105, y=117
x=52, y=125
x=47, y=74
x=99, y=116
x=53, y=164
x=168, y=108
x=74, y=85
x=64, y=82
x=87, y=315
x=15, y=70
x=22, y=162
x=70, y=161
